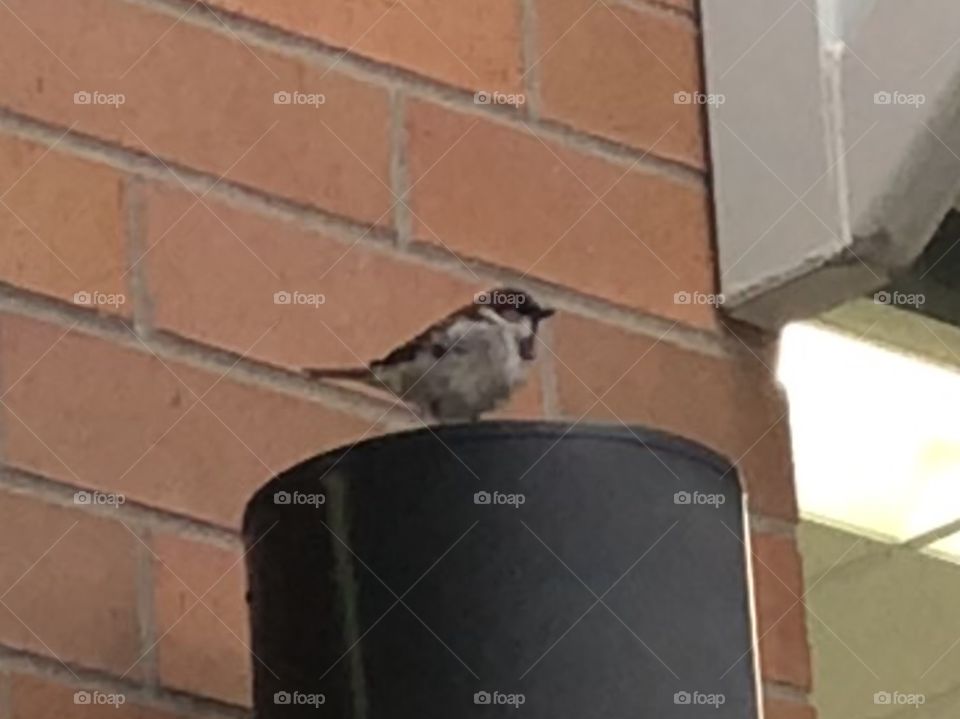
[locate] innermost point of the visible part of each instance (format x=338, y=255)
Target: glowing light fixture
x=876, y=436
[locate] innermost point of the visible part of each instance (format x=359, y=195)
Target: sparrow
x=468, y=363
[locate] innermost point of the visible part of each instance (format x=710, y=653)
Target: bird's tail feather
x=357, y=374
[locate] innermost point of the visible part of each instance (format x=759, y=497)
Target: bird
x=468, y=363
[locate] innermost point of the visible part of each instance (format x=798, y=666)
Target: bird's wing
x=436, y=340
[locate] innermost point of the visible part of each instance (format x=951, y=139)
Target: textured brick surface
x=61, y=223
x=35, y=698
x=201, y=99
x=153, y=442
x=585, y=212
x=729, y=405
x=214, y=280
x=614, y=71
x=687, y=5
x=504, y=196
x=781, y=622
x=462, y=42
x=201, y=616
x=68, y=584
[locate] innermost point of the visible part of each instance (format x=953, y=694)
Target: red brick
x=114, y=418
x=36, y=698
x=778, y=581
x=61, y=223
x=200, y=98
x=213, y=287
x=781, y=709
x=503, y=196
x=201, y=616
x=731, y=405
x=613, y=71
x=461, y=42
x=685, y=5
x=210, y=286
x=78, y=602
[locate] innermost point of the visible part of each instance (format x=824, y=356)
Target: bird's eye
x=511, y=315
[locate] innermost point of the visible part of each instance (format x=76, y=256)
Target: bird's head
x=518, y=307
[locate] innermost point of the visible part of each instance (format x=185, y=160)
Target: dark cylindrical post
x=502, y=569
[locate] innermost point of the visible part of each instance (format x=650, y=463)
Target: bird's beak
x=544, y=313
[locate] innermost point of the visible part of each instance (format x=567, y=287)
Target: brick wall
x=198, y=198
